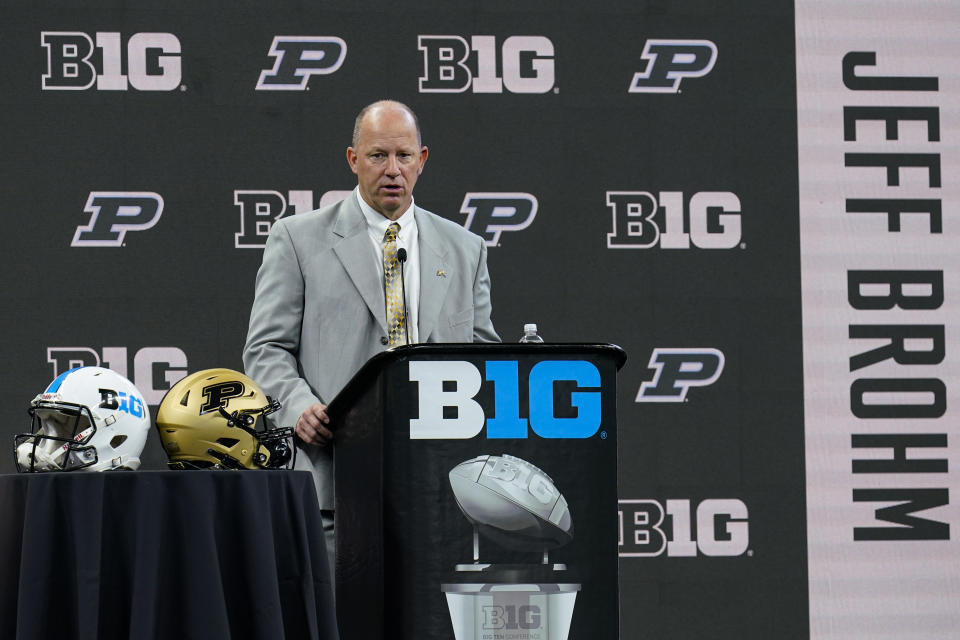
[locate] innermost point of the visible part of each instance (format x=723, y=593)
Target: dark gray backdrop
x=183, y=284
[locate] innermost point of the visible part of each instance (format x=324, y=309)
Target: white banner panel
x=878, y=88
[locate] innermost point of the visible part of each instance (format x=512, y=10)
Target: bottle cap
x=530, y=328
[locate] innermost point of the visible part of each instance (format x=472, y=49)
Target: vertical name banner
x=878, y=107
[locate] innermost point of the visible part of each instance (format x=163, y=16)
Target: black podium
x=523, y=438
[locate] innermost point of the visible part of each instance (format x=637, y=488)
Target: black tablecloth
x=163, y=554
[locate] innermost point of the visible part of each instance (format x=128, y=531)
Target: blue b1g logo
x=454, y=384
x=127, y=403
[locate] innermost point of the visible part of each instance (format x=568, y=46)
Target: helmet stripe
x=55, y=385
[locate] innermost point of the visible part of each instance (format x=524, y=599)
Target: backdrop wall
x=635, y=170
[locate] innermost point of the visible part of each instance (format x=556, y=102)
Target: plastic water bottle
x=530, y=334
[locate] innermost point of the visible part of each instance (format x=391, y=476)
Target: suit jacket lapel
x=434, y=274
x=354, y=254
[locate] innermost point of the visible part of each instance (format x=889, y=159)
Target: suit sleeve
x=483, y=330
x=270, y=356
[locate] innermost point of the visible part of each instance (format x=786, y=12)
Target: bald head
x=387, y=156
x=379, y=107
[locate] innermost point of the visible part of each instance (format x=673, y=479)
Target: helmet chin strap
x=226, y=461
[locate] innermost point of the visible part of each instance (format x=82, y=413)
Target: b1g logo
x=511, y=617
x=299, y=58
x=679, y=369
x=670, y=61
x=447, y=410
x=113, y=213
x=641, y=221
x=259, y=209
x=120, y=401
x=152, y=61
x=155, y=369
x=490, y=214
x=649, y=528
x=526, y=64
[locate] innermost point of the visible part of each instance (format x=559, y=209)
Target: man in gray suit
x=319, y=311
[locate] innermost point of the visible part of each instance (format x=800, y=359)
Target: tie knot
x=392, y=231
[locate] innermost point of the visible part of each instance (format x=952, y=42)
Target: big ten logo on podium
x=77, y=61
x=260, y=208
x=711, y=220
x=716, y=527
x=447, y=407
x=155, y=369
x=521, y=64
x=511, y=617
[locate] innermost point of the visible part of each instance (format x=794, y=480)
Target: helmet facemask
x=275, y=448
x=58, y=440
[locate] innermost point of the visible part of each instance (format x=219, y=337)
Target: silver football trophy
x=516, y=505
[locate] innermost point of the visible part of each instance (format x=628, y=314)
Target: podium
x=476, y=492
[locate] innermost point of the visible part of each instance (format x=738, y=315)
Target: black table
x=163, y=554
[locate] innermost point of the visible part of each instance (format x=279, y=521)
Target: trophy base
x=525, y=608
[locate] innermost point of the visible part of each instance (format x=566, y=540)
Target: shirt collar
x=378, y=223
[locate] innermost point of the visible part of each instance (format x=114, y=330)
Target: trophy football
x=517, y=506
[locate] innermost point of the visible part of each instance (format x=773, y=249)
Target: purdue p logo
x=670, y=61
x=297, y=58
x=219, y=394
x=679, y=369
x=490, y=214
x=113, y=213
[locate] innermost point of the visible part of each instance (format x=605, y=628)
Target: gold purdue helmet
x=214, y=419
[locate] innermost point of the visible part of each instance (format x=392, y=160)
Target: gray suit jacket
x=319, y=314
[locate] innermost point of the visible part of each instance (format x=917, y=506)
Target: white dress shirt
x=377, y=225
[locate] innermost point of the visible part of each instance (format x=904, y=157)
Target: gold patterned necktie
x=393, y=287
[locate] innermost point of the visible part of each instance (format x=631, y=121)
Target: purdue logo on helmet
x=219, y=395
x=213, y=419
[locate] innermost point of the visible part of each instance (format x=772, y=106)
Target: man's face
x=388, y=160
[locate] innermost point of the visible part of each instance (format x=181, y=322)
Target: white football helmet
x=88, y=419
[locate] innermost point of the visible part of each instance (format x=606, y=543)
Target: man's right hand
x=311, y=425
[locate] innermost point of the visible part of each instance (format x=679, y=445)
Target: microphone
x=402, y=257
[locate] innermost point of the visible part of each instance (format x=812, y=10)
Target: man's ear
x=352, y=159
x=424, y=152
